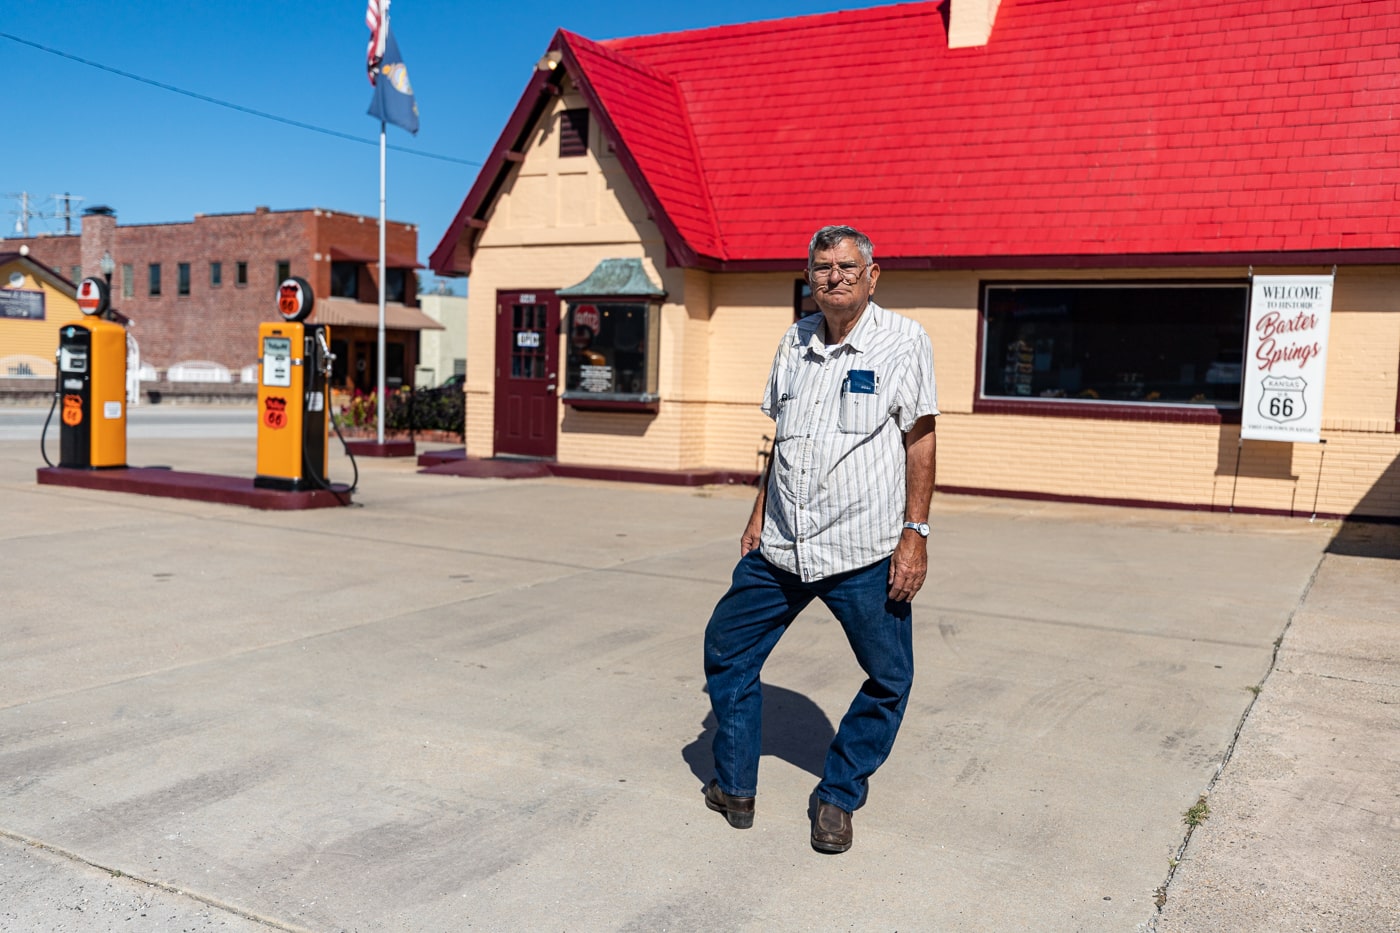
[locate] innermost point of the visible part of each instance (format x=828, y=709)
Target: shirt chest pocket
x=862, y=407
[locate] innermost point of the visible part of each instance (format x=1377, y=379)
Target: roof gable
x=1104, y=132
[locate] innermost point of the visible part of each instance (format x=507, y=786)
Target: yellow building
x=35, y=301
x=1074, y=200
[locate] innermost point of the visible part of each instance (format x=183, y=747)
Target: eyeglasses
x=849, y=271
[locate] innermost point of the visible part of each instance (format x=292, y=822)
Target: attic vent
x=573, y=133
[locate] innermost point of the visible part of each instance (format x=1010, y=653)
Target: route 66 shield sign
x=1283, y=398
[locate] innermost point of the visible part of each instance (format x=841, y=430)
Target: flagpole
x=383, y=401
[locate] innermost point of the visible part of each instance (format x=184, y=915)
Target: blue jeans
x=745, y=627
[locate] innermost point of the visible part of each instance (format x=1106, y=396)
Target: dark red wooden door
x=527, y=371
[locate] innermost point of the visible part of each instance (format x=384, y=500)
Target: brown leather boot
x=831, y=828
x=737, y=810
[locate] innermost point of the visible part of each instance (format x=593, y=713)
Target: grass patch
x=1198, y=814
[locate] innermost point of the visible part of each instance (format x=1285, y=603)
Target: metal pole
x=383, y=402
x=1239, y=452
x=1318, y=488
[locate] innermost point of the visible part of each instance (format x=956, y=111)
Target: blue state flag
x=393, y=96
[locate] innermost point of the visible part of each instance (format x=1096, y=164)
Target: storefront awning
x=391, y=261
x=348, y=313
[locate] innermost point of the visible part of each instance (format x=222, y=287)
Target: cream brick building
x=693, y=158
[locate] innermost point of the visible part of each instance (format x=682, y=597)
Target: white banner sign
x=1286, y=363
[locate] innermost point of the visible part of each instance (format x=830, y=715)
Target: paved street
x=477, y=704
x=144, y=421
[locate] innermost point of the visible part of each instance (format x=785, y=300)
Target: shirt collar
x=857, y=340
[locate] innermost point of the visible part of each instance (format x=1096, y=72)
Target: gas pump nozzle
x=327, y=357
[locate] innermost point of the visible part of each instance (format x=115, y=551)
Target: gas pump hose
x=310, y=470
x=44, y=435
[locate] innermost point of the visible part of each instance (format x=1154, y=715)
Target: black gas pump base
x=387, y=449
x=200, y=487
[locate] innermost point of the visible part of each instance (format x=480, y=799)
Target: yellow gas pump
x=92, y=385
x=294, y=365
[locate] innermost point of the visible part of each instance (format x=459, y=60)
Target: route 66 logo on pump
x=1283, y=398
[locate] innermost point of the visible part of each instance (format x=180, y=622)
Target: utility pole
x=22, y=225
x=66, y=211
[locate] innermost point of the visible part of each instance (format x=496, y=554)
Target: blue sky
x=157, y=156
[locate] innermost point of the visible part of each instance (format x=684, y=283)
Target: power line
x=232, y=106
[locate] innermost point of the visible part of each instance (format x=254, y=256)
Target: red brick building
x=197, y=290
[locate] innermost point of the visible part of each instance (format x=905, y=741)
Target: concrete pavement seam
x=152, y=883
x=1346, y=680
x=1163, y=890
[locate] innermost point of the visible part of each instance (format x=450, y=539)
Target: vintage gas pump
x=294, y=367
x=92, y=385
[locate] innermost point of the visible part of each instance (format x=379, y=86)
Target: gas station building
x=31, y=292
x=1073, y=200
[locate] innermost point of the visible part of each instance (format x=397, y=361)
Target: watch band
x=920, y=527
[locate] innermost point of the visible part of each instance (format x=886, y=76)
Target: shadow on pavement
x=795, y=730
x=1364, y=539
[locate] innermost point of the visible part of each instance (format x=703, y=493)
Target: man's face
x=841, y=282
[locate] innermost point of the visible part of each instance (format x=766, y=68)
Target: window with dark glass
x=802, y=303
x=216, y=274
x=182, y=285
x=153, y=279
x=1157, y=344
x=345, y=279
x=529, y=324
x=612, y=350
x=284, y=271
x=394, y=284
x=573, y=133
x=241, y=274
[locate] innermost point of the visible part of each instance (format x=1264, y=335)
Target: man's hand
x=908, y=566
x=753, y=533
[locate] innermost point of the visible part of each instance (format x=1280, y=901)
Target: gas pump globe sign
x=294, y=299
x=93, y=297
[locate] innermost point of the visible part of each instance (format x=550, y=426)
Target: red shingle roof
x=1082, y=132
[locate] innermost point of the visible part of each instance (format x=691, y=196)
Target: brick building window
x=153, y=279
x=1072, y=344
x=284, y=270
x=216, y=274
x=394, y=284
x=128, y=281
x=345, y=279
x=77, y=272
x=241, y=274
x=573, y=133
x=613, y=351
x=183, y=278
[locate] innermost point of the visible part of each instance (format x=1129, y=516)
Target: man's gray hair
x=831, y=237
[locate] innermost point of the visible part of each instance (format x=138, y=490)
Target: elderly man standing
x=841, y=516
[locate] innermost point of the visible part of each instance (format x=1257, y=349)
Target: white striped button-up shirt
x=836, y=496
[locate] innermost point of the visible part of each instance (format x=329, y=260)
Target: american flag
x=377, y=19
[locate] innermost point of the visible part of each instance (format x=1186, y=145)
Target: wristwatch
x=920, y=527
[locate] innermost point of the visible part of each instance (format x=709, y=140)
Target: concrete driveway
x=478, y=704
